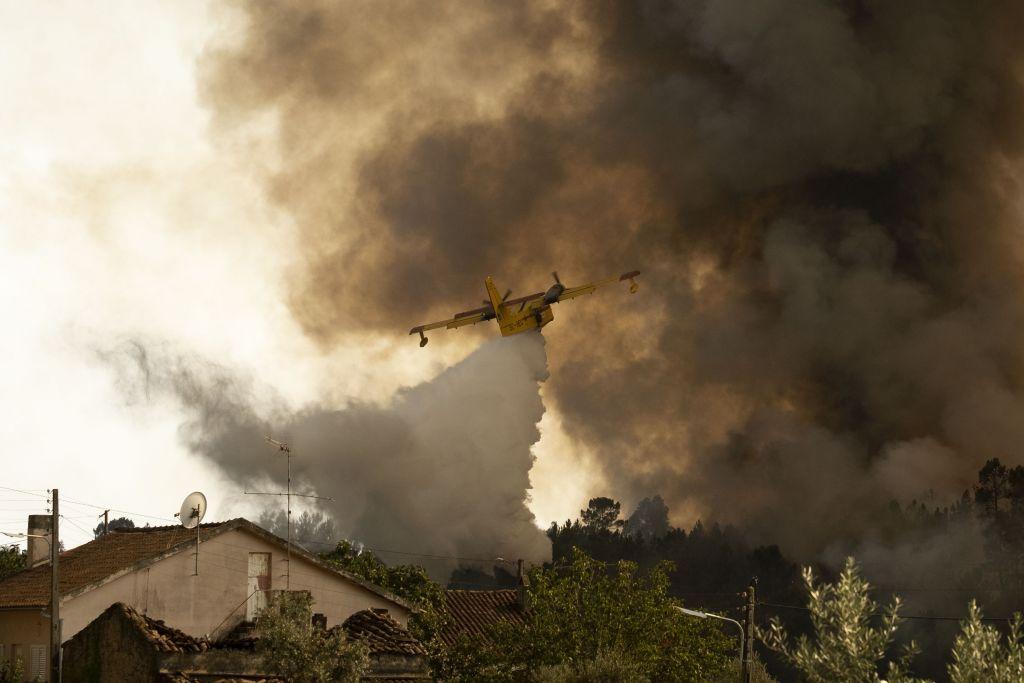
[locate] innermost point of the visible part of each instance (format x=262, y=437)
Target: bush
x=295, y=649
x=605, y=668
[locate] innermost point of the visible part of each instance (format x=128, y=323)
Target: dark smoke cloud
x=823, y=196
x=441, y=470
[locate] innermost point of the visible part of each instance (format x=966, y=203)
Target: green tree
x=602, y=515
x=979, y=655
x=993, y=486
x=583, y=613
x=113, y=525
x=410, y=582
x=846, y=648
x=294, y=648
x=649, y=520
x=12, y=560
x=603, y=669
x=758, y=672
x=311, y=530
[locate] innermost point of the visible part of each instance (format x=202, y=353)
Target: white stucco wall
x=169, y=590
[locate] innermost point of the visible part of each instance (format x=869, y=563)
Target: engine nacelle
x=554, y=291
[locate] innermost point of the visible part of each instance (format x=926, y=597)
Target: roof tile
x=474, y=612
x=95, y=561
x=120, y=550
x=381, y=633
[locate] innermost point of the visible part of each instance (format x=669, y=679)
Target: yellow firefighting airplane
x=525, y=313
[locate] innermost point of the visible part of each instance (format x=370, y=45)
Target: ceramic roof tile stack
x=474, y=612
x=381, y=633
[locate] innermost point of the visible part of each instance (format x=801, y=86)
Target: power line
x=892, y=589
x=72, y=522
x=412, y=554
x=124, y=512
x=27, y=493
x=92, y=505
x=920, y=617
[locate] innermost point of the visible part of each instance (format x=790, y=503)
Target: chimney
x=39, y=548
x=522, y=587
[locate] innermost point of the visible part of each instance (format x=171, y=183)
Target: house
x=123, y=645
x=154, y=571
x=473, y=612
x=394, y=654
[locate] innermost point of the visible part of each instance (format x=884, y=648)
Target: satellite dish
x=193, y=508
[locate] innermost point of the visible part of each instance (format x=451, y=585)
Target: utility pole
x=106, y=513
x=743, y=633
x=748, y=648
x=54, y=591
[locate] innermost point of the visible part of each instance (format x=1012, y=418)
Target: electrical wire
x=457, y=558
x=26, y=492
x=920, y=617
x=92, y=505
x=124, y=512
x=74, y=524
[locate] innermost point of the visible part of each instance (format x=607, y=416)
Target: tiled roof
x=124, y=549
x=179, y=677
x=162, y=637
x=94, y=561
x=381, y=633
x=473, y=612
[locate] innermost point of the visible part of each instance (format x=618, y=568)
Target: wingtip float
x=530, y=312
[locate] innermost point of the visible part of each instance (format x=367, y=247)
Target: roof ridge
x=114, y=554
x=165, y=527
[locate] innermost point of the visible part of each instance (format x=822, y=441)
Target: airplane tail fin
x=492, y=294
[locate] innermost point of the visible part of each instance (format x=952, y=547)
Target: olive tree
x=589, y=619
x=845, y=647
x=979, y=655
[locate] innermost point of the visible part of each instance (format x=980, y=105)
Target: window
x=258, y=584
x=37, y=661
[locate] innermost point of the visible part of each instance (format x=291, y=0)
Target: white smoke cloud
x=440, y=469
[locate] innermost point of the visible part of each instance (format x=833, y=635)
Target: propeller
x=555, y=290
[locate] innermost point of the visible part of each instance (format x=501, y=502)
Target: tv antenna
x=193, y=509
x=286, y=449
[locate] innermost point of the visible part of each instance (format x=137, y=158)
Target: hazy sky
x=120, y=218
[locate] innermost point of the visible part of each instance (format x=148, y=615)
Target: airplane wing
x=522, y=300
x=465, y=318
x=573, y=292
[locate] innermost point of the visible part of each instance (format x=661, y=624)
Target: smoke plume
x=442, y=470
x=823, y=197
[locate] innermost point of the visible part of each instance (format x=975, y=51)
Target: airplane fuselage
x=530, y=312
x=516, y=317
x=515, y=321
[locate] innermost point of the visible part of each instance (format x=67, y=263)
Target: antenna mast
x=286, y=449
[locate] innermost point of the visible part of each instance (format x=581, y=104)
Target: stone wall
x=109, y=649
